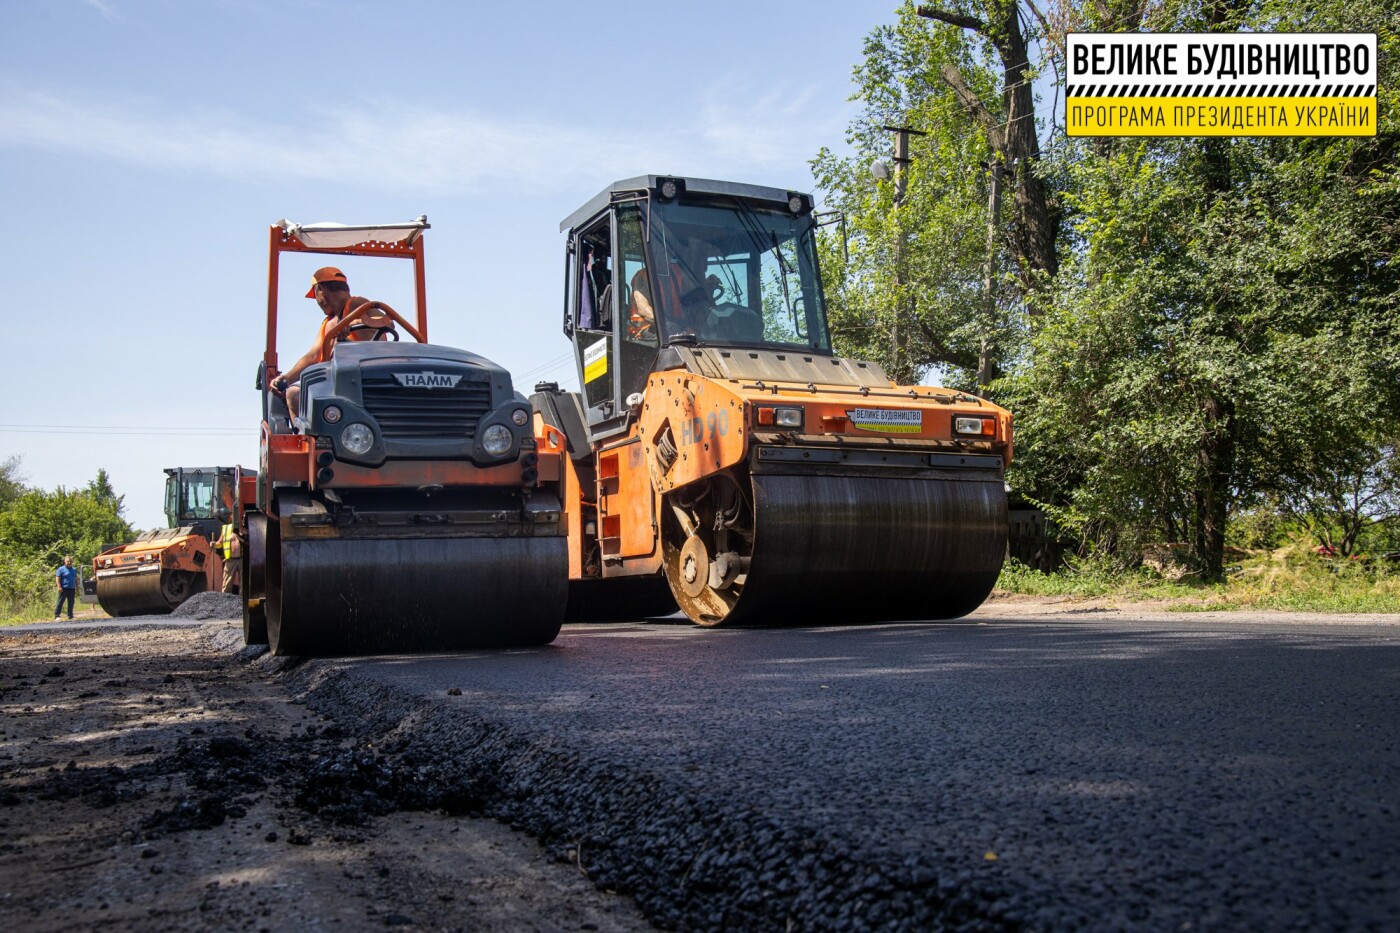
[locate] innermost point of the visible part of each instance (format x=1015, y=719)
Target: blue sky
x=146, y=145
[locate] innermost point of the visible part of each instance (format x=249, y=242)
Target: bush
x=27, y=589
x=50, y=525
x=1293, y=578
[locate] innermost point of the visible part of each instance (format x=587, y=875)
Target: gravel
x=1023, y=773
x=207, y=606
x=150, y=780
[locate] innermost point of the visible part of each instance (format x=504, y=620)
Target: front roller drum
x=252, y=585
x=147, y=594
x=837, y=550
x=358, y=596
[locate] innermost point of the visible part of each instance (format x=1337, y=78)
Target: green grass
x=18, y=614
x=1291, y=578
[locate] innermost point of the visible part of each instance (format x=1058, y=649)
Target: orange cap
x=325, y=274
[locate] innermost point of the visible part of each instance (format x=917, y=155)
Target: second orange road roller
x=406, y=501
x=721, y=455
x=161, y=569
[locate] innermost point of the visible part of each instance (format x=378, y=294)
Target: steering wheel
x=736, y=317
x=381, y=330
x=358, y=314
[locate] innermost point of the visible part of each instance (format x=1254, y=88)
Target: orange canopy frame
x=397, y=241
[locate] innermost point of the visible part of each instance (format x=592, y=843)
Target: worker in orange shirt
x=331, y=290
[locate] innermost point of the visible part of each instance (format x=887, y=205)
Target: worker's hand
x=279, y=386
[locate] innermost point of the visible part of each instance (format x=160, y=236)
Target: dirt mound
x=203, y=606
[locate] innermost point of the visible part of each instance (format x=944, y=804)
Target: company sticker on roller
x=1220, y=84
x=595, y=360
x=887, y=420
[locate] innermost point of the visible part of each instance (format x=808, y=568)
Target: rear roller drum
x=147, y=593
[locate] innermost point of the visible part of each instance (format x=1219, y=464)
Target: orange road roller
x=161, y=569
x=407, y=500
x=722, y=458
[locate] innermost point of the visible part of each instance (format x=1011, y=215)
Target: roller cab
x=405, y=506
x=719, y=446
x=161, y=569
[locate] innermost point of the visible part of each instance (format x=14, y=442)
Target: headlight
x=496, y=439
x=331, y=413
x=982, y=426
x=779, y=417
x=357, y=438
x=520, y=416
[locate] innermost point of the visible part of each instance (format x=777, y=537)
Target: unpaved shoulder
x=150, y=780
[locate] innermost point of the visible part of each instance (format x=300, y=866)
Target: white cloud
x=102, y=7
x=769, y=128
x=395, y=146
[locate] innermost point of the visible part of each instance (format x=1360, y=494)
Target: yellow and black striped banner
x=1190, y=84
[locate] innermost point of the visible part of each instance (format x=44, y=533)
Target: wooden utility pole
x=903, y=304
x=985, y=364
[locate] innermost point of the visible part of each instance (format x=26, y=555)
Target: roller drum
x=251, y=586
x=142, y=594
x=357, y=596
x=837, y=550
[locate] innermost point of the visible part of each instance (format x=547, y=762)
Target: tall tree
x=11, y=481
x=1225, y=325
x=1010, y=125
x=51, y=524
x=100, y=489
x=909, y=291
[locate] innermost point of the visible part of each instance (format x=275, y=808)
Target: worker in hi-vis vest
x=230, y=549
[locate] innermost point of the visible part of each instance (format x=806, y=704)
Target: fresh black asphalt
x=1097, y=771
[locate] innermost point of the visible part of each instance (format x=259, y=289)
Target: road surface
x=1036, y=766
x=1095, y=769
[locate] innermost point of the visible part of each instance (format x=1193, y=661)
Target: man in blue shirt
x=67, y=587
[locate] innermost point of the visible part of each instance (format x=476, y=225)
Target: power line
x=548, y=366
x=122, y=430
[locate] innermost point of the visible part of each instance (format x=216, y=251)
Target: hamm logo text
x=428, y=380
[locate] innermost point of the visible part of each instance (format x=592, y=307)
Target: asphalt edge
x=688, y=861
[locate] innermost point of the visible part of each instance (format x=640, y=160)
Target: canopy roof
x=344, y=236
x=732, y=189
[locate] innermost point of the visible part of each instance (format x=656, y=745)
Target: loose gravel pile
x=207, y=606
x=154, y=779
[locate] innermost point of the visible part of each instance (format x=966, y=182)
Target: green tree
x=1224, y=328
x=49, y=525
x=1352, y=501
x=1187, y=328
x=100, y=489
x=906, y=287
x=11, y=481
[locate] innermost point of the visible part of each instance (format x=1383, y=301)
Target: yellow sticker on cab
x=595, y=360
